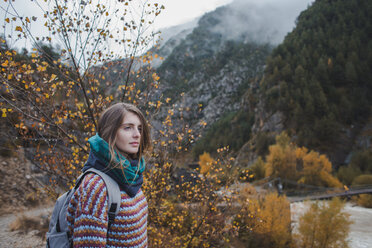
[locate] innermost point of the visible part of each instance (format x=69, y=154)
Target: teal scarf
x=100, y=148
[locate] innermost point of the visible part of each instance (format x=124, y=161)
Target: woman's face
x=128, y=136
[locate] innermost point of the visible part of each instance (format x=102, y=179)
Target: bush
x=324, y=225
x=264, y=222
x=365, y=200
x=289, y=162
x=362, y=160
x=205, y=162
x=346, y=174
x=258, y=169
x=362, y=180
x=25, y=224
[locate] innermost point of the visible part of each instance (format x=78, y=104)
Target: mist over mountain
x=179, y=31
x=261, y=22
x=170, y=38
x=266, y=21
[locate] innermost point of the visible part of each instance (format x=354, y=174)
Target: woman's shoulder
x=91, y=196
x=92, y=187
x=92, y=180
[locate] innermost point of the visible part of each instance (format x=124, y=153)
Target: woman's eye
x=127, y=128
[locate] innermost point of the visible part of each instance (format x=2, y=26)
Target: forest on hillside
x=320, y=76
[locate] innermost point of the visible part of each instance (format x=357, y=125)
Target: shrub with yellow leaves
x=205, y=162
x=287, y=161
x=263, y=221
x=324, y=225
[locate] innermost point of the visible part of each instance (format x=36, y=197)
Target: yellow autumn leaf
x=18, y=28
x=41, y=68
x=5, y=64
x=52, y=77
x=155, y=77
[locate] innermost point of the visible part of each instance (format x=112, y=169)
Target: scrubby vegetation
x=360, y=164
x=233, y=130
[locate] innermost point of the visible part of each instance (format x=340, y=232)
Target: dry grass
x=25, y=224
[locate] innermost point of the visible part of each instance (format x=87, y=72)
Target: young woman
x=116, y=149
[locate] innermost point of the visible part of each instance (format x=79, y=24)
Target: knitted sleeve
x=87, y=213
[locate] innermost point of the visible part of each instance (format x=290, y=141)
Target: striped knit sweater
x=88, y=219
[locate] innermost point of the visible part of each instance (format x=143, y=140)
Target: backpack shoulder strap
x=114, y=195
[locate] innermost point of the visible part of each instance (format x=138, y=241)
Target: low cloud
x=264, y=21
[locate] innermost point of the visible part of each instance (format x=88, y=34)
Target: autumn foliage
x=263, y=221
x=324, y=225
x=205, y=162
x=51, y=99
x=287, y=161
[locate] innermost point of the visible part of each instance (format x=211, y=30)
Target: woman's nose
x=136, y=132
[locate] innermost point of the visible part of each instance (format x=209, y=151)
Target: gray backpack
x=58, y=235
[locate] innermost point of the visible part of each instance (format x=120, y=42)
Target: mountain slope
x=208, y=74
x=319, y=78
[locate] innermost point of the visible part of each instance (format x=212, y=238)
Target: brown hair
x=110, y=121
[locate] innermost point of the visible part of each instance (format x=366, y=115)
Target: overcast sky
x=180, y=11
x=176, y=11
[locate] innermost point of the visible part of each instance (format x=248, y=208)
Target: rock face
x=208, y=73
x=19, y=184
